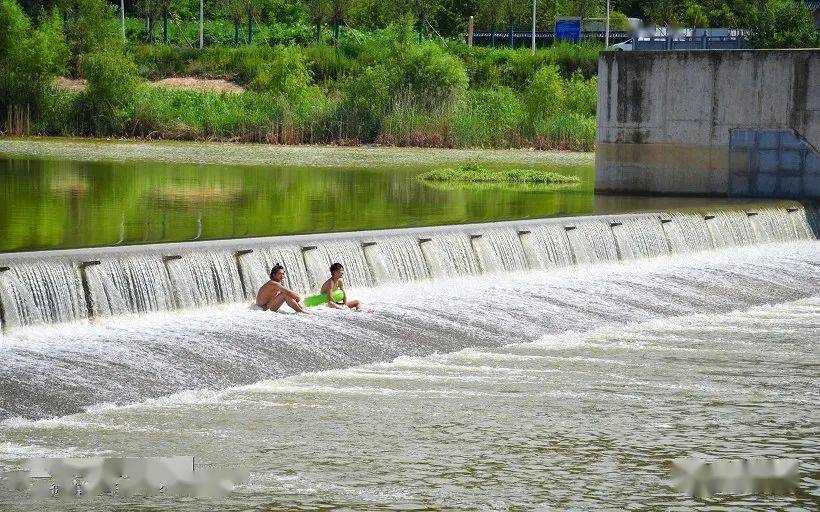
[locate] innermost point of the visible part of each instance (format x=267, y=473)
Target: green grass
x=476, y=174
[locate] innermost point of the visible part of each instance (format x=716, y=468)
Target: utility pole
x=606, y=35
x=122, y=17
x=201, y=23
x=533, y=26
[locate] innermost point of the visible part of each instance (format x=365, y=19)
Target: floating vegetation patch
x=473, y=175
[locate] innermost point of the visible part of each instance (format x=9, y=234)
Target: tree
x=318, y=15
x=30, y=58
x=694, y=15
x=236, y=11
x=782, y=24
x=618, y=21
x=587, y=8
x=337, y=15
x=90, y=25
x=151, y=10
x=515, y=11
x=662, y=12
x=424, y=10
x=489, y=14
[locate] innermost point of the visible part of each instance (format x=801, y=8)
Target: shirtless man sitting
x=274, y=293
x=336, y=282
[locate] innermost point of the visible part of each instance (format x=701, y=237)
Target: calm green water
x=66, y=194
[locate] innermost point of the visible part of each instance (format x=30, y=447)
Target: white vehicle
x=626, y=46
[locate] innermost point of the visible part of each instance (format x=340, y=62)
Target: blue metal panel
x=768, y=139
x=568, y=30
x=772, y=163
x=789, y=140
x=741, y=138
x=790, y=160
x=790, y=185
x=768, y=160
x=765, y=184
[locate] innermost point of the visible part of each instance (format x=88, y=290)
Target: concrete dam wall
x=726, y=123
x=53, y=287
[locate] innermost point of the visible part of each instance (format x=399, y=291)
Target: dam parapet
x=52, y=287
x=709, y=122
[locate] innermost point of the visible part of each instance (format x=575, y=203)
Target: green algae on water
x=474, y=174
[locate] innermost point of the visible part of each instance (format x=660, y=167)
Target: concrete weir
x=52, y=287
x=709, y=122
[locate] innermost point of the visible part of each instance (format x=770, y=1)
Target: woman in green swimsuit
x=333, y=293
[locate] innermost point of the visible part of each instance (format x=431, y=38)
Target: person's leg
x=296, y=305
x=276, y=301
x=354, y=304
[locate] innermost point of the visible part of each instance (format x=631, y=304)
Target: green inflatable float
x=318, y=300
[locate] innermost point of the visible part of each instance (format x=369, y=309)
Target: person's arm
x=287, y=291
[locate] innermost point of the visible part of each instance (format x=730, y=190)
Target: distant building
x=599, y=24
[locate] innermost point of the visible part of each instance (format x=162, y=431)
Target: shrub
x=566, y=131
x=193, y=114
x=487, y=117
x=409, y=125
x=491, y=67
x=581, y=96
x=287, y=73
x=109, y=99
x=58, y=115
x=29, y=58
x=328, y=62
x=159, y=61
x=545, y=94
x=366, y=99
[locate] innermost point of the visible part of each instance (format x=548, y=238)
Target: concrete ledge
x=666, y=121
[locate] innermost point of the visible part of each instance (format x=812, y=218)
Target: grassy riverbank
x=221, y=153
x=379, y=86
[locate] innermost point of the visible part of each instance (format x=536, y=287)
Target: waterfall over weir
x=62, y=286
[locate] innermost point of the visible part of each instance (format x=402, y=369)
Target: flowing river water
x=564, y=388
x=557, y=364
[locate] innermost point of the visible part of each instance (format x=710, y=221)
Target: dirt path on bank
x=181, y=82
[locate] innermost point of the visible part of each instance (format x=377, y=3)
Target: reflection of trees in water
x=52, y=204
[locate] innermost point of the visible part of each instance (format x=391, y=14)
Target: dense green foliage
x=382, y=72
x=376, y=86
x=30, y=57
x=783, y=24
x=474, y=173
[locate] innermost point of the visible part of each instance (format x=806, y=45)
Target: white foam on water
x=133, y=284
x=687, y=233
x=349, y=253
x=731, y=229
x=53, y=291
x=403, y=258
x=592, y=241
x=256, y=267
x=125, y=359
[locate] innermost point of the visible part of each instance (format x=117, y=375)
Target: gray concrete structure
x=738, y=122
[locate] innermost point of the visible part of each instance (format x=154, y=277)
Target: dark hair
x=276, y=268
x=336, y=267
